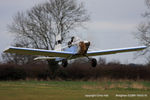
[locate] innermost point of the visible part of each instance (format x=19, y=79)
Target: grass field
x=74, y=90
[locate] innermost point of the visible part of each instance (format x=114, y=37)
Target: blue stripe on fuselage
x=72, y=49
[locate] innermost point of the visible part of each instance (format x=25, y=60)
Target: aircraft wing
x=38, y=52
x=65, y=54
x=114, y=51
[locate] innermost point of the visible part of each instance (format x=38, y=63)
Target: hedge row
x=76, y=71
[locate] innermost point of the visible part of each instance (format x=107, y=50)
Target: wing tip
x=6, y=50
x=143, y=47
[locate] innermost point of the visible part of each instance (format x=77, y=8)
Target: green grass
x=72, y=90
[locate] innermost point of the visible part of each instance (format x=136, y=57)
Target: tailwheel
x=64, y=63
x=93, y=62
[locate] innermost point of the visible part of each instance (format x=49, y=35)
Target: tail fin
x=58, y=42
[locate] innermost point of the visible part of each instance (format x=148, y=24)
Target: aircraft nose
x=87, y=43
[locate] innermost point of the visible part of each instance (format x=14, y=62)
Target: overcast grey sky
x=111, y=26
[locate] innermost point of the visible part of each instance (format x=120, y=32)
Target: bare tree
x=38, y=27
x=102, y=61
x=143, y=33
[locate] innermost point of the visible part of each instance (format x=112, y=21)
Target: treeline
x=76, y=71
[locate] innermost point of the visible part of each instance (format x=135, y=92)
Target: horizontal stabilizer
x=44, y=58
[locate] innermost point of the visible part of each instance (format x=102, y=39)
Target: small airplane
x=76, y=48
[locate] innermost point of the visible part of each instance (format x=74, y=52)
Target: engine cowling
x=83, y=47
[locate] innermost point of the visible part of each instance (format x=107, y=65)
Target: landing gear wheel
x=64, y=63
x=93, y=62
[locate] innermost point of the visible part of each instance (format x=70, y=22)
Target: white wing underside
x=38, y=52
x=65, y=54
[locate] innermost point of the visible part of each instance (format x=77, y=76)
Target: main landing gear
x=64, y=63
x=93, y=62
